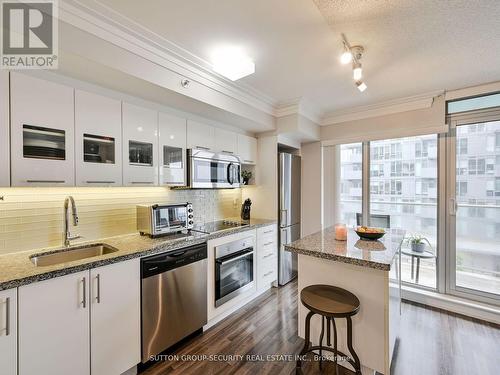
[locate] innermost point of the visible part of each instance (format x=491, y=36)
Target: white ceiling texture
x=411, y=46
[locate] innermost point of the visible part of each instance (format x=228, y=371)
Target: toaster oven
x=160, y=219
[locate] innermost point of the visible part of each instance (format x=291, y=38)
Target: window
x=462, y=146
x=462, y=188
x=470, y=104
x=407, y=192
x=475, y=246
x=472, y=166
x=396, y=168
x=350, y=182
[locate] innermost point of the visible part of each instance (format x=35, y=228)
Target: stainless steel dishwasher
x=174, y=297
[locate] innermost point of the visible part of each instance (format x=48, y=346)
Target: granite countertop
x=16, y=269
x=374, y=254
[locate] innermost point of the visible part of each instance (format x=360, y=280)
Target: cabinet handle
x=267, y=256
x=202, y=148
x=248, y=161
x=100, y=182
x=46, y=181
x=7, y=316
x=84, y=288
x=268, y=273
x=269, y=231
x=227, y=152
x=141, y=182
x=98, y=297
x=268, y=243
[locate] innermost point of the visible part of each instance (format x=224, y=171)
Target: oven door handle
x=222, y=262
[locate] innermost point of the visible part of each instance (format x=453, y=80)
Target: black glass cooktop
x=216, y=226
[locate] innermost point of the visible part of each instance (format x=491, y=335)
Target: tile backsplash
x=32, y=218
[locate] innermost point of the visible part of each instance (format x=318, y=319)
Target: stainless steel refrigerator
x=289, y=214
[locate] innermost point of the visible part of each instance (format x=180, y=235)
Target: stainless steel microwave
x=213, y=170
x=159, y=219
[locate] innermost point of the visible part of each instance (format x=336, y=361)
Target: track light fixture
x=361, y=86
x=353, y=54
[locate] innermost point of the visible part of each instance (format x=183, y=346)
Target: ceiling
x=411, y=47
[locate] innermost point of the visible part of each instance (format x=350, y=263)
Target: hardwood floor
x=432, y=342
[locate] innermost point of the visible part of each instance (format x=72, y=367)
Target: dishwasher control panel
x=164, y=262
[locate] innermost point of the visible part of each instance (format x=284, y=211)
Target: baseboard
x=457, y=305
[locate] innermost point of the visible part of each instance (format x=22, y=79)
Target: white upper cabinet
x=53, y=317
x=200, y=136
x=140, y=146
x=98, y=146
x=225, y=141
x=115, y=317
x=8, y=332
x=172, y=149
x=247, y=149
x=42, y=132
x=4, y=129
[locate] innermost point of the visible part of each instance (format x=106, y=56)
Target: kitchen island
x=369, y=269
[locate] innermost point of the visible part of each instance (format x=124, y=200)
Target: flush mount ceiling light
x=232, y=63
x=353, y=54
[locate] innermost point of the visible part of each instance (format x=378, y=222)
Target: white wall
x=331, y=187
x=312, y=166
x=409, y=123
x=4, y=129
x=264, y=194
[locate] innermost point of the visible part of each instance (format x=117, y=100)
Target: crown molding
x=297, y=106
x=111, y=26
x=410, y=103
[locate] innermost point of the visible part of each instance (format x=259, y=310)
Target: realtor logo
x=29, y=34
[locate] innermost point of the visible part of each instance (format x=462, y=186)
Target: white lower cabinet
x=54, y=326
x=115, y=333
x=8, y=332
x=267, y=256
x=82, y=323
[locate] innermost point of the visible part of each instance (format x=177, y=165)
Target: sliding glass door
x=403, y=191
x=474, y=206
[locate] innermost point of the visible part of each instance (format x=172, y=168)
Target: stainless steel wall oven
x=233, y=269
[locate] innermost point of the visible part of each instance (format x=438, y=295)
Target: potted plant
x=246, y=175
x=417, y=243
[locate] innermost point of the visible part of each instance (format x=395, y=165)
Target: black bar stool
x=330, y=302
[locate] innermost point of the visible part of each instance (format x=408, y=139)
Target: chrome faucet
x=67, y=237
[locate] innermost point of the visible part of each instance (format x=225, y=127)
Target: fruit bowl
x=371, y=234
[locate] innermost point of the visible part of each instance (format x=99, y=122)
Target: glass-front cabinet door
x=98, y=140
x=172, y=150
x=140, y=151
x=42, y=132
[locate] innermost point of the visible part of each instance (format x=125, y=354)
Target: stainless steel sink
x=70, y=254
